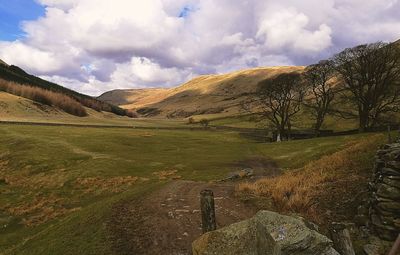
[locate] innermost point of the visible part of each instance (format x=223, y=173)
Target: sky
x=93, y=46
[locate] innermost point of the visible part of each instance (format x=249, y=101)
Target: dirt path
x=167, y=221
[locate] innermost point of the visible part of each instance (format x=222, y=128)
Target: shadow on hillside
x=183, y=98
x=223, y=92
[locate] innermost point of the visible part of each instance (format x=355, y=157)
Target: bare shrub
x=95, y=105
x=46, y=97
x=131, y=114
x=298, y=190
x=204, y=122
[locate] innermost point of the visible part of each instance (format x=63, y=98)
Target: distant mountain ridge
x=206, y=94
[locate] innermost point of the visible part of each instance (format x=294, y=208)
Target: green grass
x=302, y=121
x=243, y=121
x=45, y=163
x=83, y=232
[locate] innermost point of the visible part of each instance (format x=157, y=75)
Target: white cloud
x=141, y=72
x=288, y=29
x=25, y=56
x=97, y=45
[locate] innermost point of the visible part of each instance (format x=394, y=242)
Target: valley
x=57, y=182
x=199, y=127
x=121, y=173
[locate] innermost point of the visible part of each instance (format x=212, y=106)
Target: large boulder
x=266, y=233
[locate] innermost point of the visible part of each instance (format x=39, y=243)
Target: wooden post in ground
x=207, y=211
x=389, y=135
x=341, y=239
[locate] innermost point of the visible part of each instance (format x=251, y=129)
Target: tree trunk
x=289, y=133
x=363, y=121
x=318, y=124
x=278, y=138
x=281, y=131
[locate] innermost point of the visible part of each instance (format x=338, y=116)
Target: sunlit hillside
x=207, y=94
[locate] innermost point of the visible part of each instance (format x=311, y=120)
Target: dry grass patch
x=299, y=190
x=112, y=184
x=36, y=182
x=147, y=135
x=23, y=178
x=47, y=97
x=167, y=174
x=40, y=210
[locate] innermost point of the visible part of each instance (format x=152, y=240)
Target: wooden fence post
x=207, y=211
x=341, y=239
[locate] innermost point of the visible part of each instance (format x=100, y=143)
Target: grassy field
x=15, y=108
x=57, y=184
x=303, y=121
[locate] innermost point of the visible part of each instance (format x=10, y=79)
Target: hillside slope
x=3, y=63
x=12, y=106
x=15, y=74
x=207, y=94
x=16, y=108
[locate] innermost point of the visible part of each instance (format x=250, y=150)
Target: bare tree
x=280, y=99
x=204, y=122
x=371, y=75
x=321, y=90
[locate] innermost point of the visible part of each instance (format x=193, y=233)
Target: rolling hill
x=218, y=95
x=12, y=77
x=3, y=63
x=207, y=94
x=15, y=108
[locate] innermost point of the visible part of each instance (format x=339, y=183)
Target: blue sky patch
x=12, y=13
x=186, y=10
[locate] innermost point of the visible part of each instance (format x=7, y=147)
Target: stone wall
x=384, y=207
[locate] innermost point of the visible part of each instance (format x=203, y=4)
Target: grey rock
x=362, y=209
x=361, y=219
x=386, y=232
x=244, y=173
x=386, y=191
x=389, y=180
x=379, y=163
x=380, y=199
x=389, y=171
x=393, y=154
x=246, y=237
x=266, y=233
x=371, y=249
x=392, y=164
x=390, y=206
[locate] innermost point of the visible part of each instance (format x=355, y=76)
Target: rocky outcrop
x=266, y=233
x=384, y=210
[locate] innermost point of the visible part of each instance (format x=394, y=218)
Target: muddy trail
x=169, y=220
